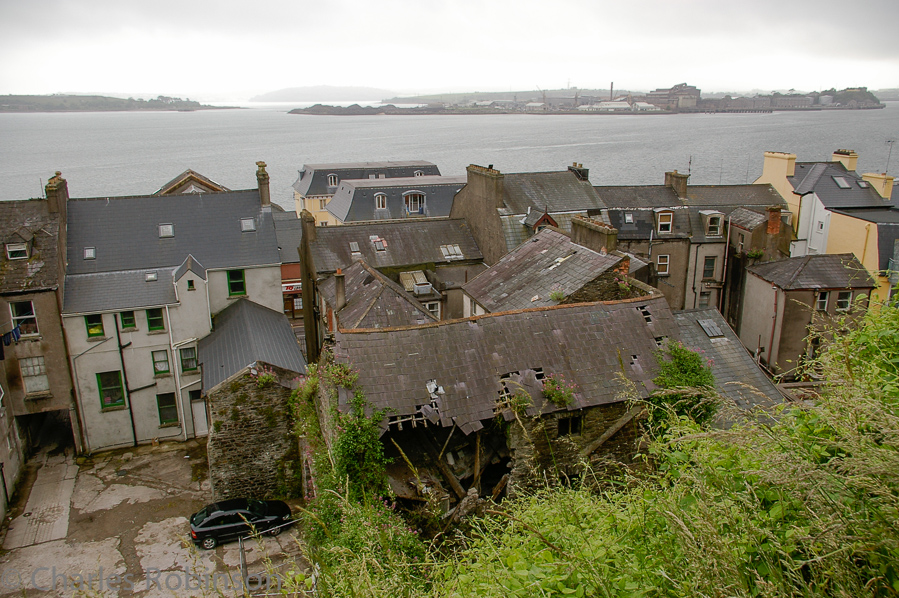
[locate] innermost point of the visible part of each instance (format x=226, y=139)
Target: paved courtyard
x=121, y=517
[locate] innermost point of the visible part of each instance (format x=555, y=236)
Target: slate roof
x=887, y=232
x=244, y=333
x=354, y=200
x=515, y=233
x=819, y=177
x=206, y=226
x=560, y=191
x=313, y=178
x=642, y=202
x=29, y=221
x=819, y=271
x=546, y=261
x=289, y=233
x=409, y=242
x=747, y=219
x=122, y=290
x=373, y=301
x=737, y=376
x=588, y=343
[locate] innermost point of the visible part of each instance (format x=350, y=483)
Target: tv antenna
x=890, y=142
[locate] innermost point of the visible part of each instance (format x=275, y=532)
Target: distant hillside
x=520, y=96
x=73, y=103
x=323, y=93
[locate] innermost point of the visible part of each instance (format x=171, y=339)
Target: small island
x=77, y=103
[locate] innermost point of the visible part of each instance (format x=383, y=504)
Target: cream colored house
x=836, y=210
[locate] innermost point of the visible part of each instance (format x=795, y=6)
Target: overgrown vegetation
x=558, y=391
x=805, y=503
x=687, y=388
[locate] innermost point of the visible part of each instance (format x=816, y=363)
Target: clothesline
x=13, y=335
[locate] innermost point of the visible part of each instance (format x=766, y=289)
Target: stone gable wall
x=251, y=450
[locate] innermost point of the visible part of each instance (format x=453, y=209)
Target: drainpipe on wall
x=724, y=272
x=695, y=266
x=87, y=442
x=773, y=326
x=177, y=367
x=127, y=388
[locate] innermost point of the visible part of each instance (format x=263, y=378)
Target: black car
x=236, y=518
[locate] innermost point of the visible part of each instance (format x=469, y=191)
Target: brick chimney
x=265, y=195
x=678, y=182
x=340, y=300
x=593, y=234
x=882, y=183
x=847, y=158
x=57, y=191
x=773, y=220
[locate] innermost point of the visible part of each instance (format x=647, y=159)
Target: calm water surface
x=130, y=153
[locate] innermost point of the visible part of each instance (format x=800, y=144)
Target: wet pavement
x=119, y=521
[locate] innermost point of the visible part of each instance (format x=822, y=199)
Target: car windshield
x=257, y=507
x=198, y=517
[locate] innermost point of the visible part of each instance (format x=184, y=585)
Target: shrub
x=687, y=387
x=558, y=391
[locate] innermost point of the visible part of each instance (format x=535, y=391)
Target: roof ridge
x=799, y=269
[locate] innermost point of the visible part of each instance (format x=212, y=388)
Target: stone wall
x=543, y=455
x=251, y=450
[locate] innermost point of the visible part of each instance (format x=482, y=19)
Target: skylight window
x=90, y=253
x=841, y=182
x=863, y=184
x=628, y=218
x=166, y=230
x=452, y=252
x=247, y=224
x=150, y=276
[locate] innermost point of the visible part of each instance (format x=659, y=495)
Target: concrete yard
x=121, y=517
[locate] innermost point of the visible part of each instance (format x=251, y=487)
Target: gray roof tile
x=29, y=221
x=821, y=271
x=354, y=200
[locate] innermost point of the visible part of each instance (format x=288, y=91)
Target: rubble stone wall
x=543, y=456
x=251, y=451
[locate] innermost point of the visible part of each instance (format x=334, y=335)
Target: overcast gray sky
x=231, y=49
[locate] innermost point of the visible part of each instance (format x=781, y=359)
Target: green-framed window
x=126, y=318
x=161, y=362
x=168, y=408
x=188, y=359
x=94, y=324
x=155, y=321
x=111, y=392
x=236, y=283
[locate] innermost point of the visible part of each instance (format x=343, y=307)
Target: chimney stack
x=340, y=279
x=882, y=183
x=774, y=220
x=678, y=182
x=265, y=195
x=57, y=191
x=847, y=158
x=583, y=174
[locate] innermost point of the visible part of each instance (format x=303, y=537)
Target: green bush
x=687, y=388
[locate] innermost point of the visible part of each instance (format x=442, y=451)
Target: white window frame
x=166, y=230
x=380, y=201
x=821, y=300
x=90, y=253
x=414, y=196
x=13, y=249
x=247, y=225
x=705, y=268
x=663, y=263
x=844, y=300
x=668, y=226
x=418, y=173
x=34, y=375
x=159, y=358
x=714, y=230
x=433, y=307
x=333, y=180
x=322, y=204
x=17, y=320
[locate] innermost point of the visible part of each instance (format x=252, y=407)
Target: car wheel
x=274, y=531
x=209, y=543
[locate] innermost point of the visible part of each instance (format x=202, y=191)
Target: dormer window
x=628, y=218
x=247, y=225
x=714, y=222
x=380, y=201
x=665, y=222
x=17, y=251
x=415, y=202
x=90, y=253
x=166, y=230
x=419, y=173
x=150, y=276
x=332, y=180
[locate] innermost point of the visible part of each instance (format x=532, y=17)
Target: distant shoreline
x=71, y=103
x=391, y=110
